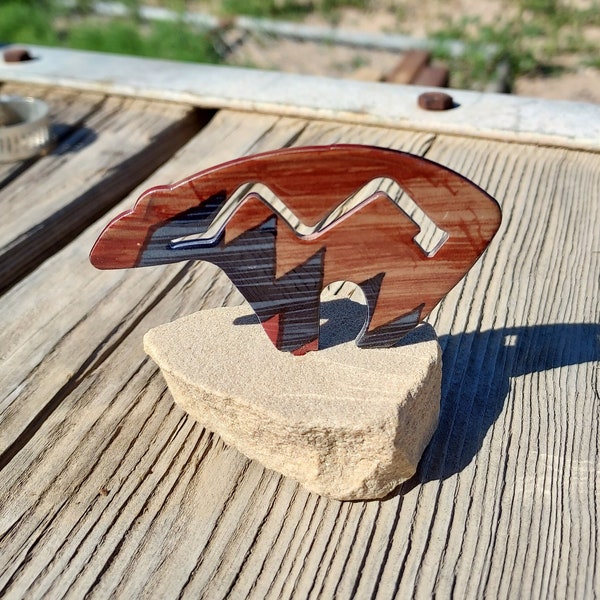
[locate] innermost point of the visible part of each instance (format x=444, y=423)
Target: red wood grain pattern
x=375, y=238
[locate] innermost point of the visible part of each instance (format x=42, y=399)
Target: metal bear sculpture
x=284, y=224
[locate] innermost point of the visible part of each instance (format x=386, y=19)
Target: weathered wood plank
x=68, y=110
x=118, y=146
x=486, y=116
x=521, y=377
x=25, y=351
x=227, y=137
x=45, y=385
x=116, y=492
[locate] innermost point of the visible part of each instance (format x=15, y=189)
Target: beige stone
x=345, y=422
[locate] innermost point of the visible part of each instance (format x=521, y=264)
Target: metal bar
x=395, y=42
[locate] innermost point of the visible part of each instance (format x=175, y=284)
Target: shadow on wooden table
x=477, y=373
x=68, y=139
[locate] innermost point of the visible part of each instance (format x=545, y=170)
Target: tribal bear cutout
x=284, y=224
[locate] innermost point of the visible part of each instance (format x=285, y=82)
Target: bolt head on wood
x=435, y=101
x=16, y=55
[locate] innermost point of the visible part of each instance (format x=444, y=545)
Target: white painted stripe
x=482, y=115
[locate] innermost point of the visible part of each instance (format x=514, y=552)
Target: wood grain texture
x=299, y=219
x=113, y=491
x=118, y=145
x=36, y=374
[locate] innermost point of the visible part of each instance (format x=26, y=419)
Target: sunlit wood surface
x=109, y=490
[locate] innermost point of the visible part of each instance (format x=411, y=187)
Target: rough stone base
x=345, y=422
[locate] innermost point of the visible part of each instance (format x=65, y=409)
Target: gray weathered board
x=110, y=490
x=117, y=142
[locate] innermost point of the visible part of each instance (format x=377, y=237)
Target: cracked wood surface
x=109, y=489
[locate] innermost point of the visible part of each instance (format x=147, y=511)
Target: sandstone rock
x=345, y=422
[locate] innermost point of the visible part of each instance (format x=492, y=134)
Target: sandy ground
x=416, y=18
